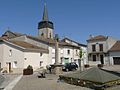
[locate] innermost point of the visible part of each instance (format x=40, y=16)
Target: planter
x=27, y=71
x=100, y=65
x=86, y=65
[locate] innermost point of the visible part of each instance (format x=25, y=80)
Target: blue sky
x=76, y=19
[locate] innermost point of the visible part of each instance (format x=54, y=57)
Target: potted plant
x=28, y=70
x=86, y=65
x=100, y=66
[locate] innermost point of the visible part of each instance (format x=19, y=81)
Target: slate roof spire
x=45, y=13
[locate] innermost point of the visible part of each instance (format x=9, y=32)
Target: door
x=0, y=65
x=116, y=60
x=94, y=57
x=9, y=66
x=66, y=60
x=102, y=59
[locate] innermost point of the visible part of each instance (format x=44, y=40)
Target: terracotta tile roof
x=0, y=38
x=28, y=46
x=51, y=41
x=115, y=47
x=11, y=34
x=99, y=37
x=74, y=42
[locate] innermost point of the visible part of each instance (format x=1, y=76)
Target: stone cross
x=56, y=49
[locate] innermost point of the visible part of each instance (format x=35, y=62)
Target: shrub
x=28, y=70
x=100, y=65
x=29, y=67
x=86, y=65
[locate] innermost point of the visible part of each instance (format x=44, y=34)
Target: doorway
x=9, y=67
x=116, y=60
x=102, y=59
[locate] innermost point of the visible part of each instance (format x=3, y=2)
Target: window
x=101, y=47
x=15, y=64
x=41, y=54
x=94, y=57
x=61, y=51
x=50, y=35
x=71, y=59
x=10, y=52
x=61, y=60
x=76, y=52
x=53, y=50
x=41, y=63
x=68, y=52
x=93, y=48
x=75, y=60
x=0, y=64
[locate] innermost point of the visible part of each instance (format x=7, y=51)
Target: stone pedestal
x=56, y=69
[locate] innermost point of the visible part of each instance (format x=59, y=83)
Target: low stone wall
x=89, y=84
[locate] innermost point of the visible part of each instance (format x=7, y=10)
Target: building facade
x=17, y=50
x=98, y=49
x=114, y=54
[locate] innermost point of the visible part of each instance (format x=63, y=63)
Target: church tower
x=45, y=27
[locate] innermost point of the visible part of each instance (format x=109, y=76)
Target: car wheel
x=75, y=68
x=67, y=70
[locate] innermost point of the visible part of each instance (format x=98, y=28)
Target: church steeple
x=45, y=14
x=45, y=27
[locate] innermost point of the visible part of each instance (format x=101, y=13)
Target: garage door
x=66, y=60
x=116, y=60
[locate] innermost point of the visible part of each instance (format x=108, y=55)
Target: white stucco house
x=103, y=50
x=17, y=50
x=17, y=55
x=114, y=54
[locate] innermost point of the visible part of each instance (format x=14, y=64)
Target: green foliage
x=81, y=54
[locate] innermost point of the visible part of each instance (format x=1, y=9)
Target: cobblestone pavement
x=32, y=82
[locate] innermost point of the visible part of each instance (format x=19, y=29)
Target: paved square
x=32, y=82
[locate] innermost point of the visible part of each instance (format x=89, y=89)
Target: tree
x=81, y=54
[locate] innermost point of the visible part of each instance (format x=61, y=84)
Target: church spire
x=45, y=14
x=45, y=27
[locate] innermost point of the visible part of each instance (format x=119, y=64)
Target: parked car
x=70, y=66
